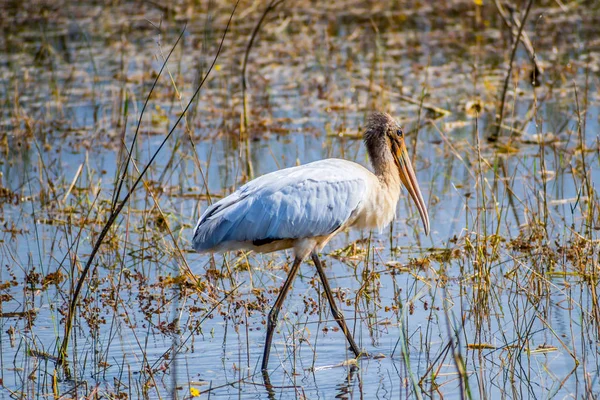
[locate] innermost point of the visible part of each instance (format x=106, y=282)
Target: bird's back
x=311, y=200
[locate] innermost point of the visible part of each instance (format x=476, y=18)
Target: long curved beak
x=409, y=180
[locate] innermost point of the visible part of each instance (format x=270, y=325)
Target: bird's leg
x=339, y=317
x=267, y=381
x=272, y=319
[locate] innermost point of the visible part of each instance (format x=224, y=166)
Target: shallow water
x=502, y=293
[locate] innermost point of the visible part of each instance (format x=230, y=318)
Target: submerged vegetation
x=103, y=176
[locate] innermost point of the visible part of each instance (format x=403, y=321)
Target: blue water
x=306, y=108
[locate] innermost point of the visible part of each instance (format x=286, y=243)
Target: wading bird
x=303, y=207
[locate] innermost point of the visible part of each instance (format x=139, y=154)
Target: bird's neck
x=383, y=163
x=389, y=178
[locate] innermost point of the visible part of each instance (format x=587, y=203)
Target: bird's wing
x=311, y=200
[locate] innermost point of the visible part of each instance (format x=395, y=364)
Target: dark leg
x=272, y=320
x=339, y=317
x=267, y=380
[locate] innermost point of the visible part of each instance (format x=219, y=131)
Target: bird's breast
x=379, y=207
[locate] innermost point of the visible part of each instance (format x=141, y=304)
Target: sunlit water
x=404, y=315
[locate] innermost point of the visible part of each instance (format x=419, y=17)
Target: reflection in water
x=344, y=389
x=268, y=386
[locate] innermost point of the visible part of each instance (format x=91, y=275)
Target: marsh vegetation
x=499, y=301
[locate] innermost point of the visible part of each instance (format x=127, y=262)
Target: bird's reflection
x=344, y=389
x=268, y=386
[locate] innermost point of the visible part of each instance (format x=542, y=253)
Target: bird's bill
x=409, y=180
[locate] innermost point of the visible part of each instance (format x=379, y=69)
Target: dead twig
x=500, y=117
x=244, y=127
x=514, y=25
x=62, y=355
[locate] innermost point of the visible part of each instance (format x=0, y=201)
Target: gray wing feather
x=293, y=203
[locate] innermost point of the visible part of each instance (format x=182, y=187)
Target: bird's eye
x=399, y=133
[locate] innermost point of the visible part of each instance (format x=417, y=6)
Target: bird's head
x=384, y=139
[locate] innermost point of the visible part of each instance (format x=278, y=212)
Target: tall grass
x=100, y=186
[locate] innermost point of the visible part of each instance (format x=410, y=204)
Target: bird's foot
x=361, y=354
x=365, y=354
